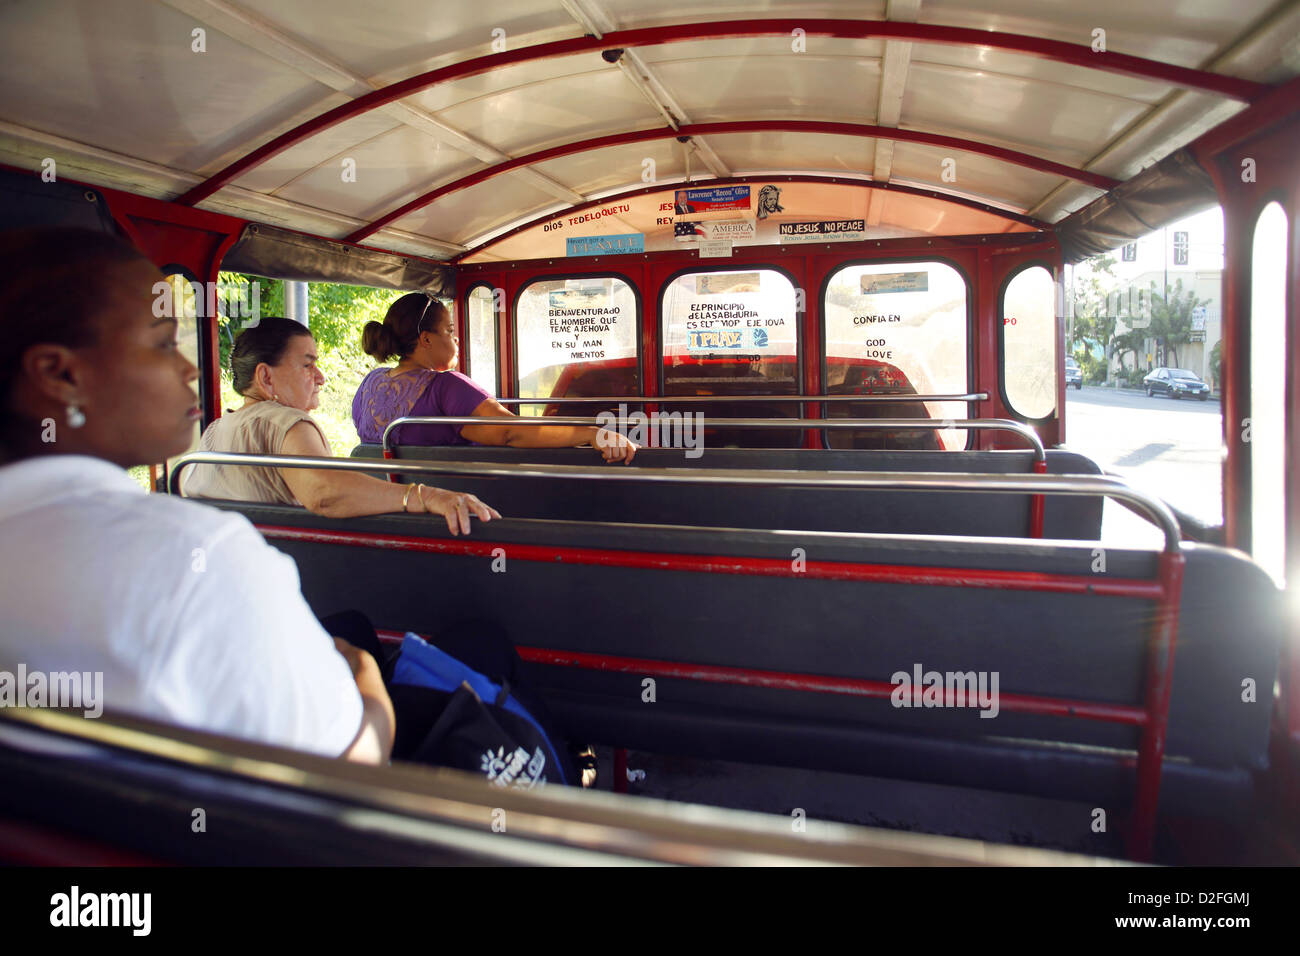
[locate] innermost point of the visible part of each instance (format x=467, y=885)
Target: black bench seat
x=822, y=509
x=864, y=607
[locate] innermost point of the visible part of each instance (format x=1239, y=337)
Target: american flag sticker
x=684, y=231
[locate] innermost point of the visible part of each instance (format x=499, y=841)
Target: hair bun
x=377, y=340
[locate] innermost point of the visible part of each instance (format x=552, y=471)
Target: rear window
x=575, y=337
x=730, y=330
x=733, y=332
x=896, y=328
x=1028, y=311
x=481, y=320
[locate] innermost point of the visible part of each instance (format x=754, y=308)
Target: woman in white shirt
x=188, y=614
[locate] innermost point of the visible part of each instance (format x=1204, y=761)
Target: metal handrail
x=443, y=809
x=857, y=424
x=1035, y=484
x=699, y=399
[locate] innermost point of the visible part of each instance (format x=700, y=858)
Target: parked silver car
x=1073, y=374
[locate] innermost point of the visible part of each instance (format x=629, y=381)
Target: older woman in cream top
x=274, y=365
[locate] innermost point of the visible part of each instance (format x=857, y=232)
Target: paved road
x=1170, y=448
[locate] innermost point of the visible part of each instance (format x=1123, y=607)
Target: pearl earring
x=76, y=417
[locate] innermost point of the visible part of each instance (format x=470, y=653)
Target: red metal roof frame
x=1055, y=50
x=1104, y=183
x=1278, y=104
x=785, y=178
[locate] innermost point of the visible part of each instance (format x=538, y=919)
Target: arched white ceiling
x=117, y=93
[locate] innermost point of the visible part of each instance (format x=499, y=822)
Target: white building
x=1190, y=250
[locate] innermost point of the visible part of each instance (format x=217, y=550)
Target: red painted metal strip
x=211, y=398
x=959, y=248
x=388, y=453
x=1056, y=50
x=1275, y=106
x=812, y=683
x=24, y=843
x=1159, y=686
x=620, y=770
x=1036, y=505
x=747, y=126
x=819, y=684
x=725, y=564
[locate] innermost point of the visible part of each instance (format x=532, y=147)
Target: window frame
x=748, y=266
x=563, y=276
x=496, y=331
x=205, y=360
x=1002, y=344
x=970, y=321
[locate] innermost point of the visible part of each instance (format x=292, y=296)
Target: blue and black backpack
x=451, y=715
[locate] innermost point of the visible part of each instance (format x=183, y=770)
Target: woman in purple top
x=419, y=332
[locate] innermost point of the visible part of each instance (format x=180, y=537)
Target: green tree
x=1171, y=319
x=243, y=299
x=336, y=314
x=1130, y=341
x=1093, y=320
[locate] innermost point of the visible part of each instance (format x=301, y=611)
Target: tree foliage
x=336, y=315
x=1171, y=319
x=1093, y=321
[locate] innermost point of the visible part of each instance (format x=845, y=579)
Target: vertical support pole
x=295, y=301
x=1159, y=684
x=620, y=770
x=211, y=357
x=984, y=351
x=388, y=454
x=1036, y=505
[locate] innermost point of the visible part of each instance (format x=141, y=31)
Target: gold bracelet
x=407, y=497
x=424, y=508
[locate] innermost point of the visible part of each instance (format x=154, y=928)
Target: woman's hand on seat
x=614, y=446
x=456, y=507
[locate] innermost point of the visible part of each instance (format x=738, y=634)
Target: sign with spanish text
x=582, y=323
x=735, y=316
x=604, y=245
x=577, y=219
